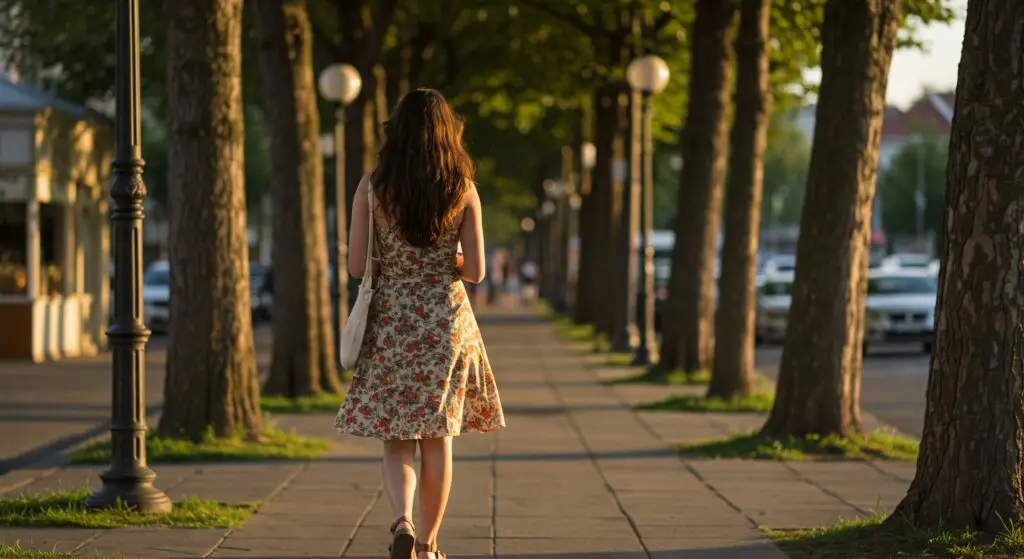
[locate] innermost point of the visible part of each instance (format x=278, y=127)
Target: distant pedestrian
x=528, y=274
x=422, y=376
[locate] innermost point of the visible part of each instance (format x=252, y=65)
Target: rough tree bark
x=587, y=281
x=303, y=358
x=733, y=366
x=687, y=337
x=606, y=125
x=211, y=369
x=819, y=376
x=971, y=463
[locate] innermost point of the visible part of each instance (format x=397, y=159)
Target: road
x=893, y=388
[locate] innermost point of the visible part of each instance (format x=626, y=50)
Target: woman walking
x=422, y=376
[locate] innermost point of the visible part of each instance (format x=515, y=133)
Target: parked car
x=906, y=261
x=773, y=300
x=901, y=308
x=780, y=264
x=156, y=296
x=261, y=291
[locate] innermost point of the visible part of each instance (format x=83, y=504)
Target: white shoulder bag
x=355, y=326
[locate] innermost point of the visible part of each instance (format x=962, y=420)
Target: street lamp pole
x=649, y=75
x=128, y=481
x=340, y=84
x=645, y=309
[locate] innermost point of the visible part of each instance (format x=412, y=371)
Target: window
x=13, y=242
x=775, y=288
x=902, y=285
x=15, y=147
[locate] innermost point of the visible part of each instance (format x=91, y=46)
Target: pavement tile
x=574, y=544
x=53, y=539
x=156, y=543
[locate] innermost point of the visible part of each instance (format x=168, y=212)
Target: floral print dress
x=422, y=371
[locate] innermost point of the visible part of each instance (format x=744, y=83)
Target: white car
x=906, y=261
x=780, y=264
x=773, y=299
x=901, y=308
x=156, y=296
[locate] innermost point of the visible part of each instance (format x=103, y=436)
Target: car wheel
x=864, y=350
x=927, y=347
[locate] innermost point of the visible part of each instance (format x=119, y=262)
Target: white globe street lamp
x=339, y=84
x=648, y=74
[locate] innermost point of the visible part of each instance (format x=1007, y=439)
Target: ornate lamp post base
x=132, y=489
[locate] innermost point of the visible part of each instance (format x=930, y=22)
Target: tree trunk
x=819, y=376
x=687, y=335
x=586, y=278
x=303, y=359
x=604, y=141
x=211, y=369
x=733, y=367
x=971, y=463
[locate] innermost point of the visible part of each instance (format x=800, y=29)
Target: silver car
x=900, y=308
x=773, y=299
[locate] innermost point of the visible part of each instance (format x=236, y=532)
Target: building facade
x=54, y=237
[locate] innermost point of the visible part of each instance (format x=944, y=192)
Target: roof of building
x=20, y=96
x=932, y=113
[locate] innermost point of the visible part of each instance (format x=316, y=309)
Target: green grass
x=759, y=402
x=15, y=552
x=618, y=359
x=321, y=403
x=67, y=509
x=273, y=445
x=862, y=539
x=876, y=445
x=674, y=378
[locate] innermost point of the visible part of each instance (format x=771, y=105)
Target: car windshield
x=256, y=273
x=902, y=285
x=776, y=288
x=158, y=278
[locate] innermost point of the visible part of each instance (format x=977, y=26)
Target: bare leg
x=435, y=483
x=400, y=477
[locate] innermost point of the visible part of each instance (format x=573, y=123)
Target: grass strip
x=877, y=445
x=67, y=509
x=272, y=445
x=862, y=539
x=759, y=402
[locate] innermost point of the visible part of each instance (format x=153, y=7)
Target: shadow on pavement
x=531, y=457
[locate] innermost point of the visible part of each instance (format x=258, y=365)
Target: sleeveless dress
x=422, y=371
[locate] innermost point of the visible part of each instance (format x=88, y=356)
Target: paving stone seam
x=693, y=470
x=823, y=489
x=361, y=520
x=874, y=465
x=274, y=493
x=89, y=540
x=593, y=459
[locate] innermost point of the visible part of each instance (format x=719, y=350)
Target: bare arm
x=472, y=264
x=359, y=229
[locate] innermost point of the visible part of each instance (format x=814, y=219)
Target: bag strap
x=368, y=270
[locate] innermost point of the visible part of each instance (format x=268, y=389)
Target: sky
x=935, y=67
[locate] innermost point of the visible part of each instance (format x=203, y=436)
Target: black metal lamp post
x=128, y=481
x=649, y=75
x=339, y=84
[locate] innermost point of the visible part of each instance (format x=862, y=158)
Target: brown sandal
x=430, y=548
x=402, y=545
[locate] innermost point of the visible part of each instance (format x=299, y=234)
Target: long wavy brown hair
x=423, y=169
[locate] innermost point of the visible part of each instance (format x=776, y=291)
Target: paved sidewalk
x=577, y=474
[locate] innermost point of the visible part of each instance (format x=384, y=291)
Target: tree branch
x=382, y=19
x=589, y=29
x=322, y=40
